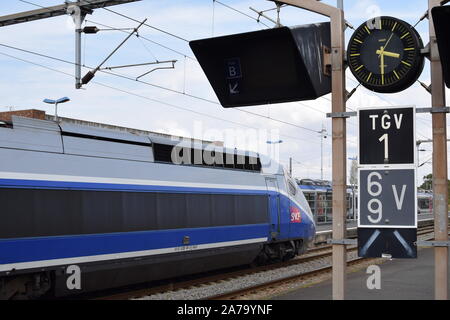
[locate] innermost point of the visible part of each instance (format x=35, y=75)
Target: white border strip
x=142, y=182
x=123, y=255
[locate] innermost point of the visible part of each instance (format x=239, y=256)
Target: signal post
x=339, y=143
x=440, y=195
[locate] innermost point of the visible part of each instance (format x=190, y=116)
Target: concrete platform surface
x=401, y=279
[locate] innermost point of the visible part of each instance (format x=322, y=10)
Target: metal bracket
x=426, y=51
x=326, y=61
x=418, y=110
x=433, y=110
x=421, y=243
x=343, y=241
x=342, y=114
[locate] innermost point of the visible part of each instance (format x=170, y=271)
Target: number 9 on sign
x=377, y=210
x=374, y=205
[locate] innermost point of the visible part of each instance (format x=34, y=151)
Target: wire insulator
x=90, y=29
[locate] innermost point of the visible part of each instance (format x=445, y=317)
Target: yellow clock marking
x=368, y=78
x=367, y=29
x=409, y=49
x=359, y=41
x=393, y=28
x=395, y=72
x=355, y=54
x=382, y=79
x=403, y=36
x=404, y=62
x=359, y=67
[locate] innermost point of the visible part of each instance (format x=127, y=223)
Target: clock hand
x=382, y=64
x=386, y=44
x=388, y=54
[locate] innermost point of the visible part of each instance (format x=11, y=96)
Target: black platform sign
x=378, y=242
x=441, y=20
x=267, y=66
x=387, y=136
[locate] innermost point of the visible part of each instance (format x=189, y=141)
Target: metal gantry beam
x=77, y=9
x=58, y=10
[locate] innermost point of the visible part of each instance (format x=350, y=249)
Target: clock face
x=384, y=55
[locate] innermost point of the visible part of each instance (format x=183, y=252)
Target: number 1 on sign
x=386, y=145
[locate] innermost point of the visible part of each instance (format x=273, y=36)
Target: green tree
x=428, y=184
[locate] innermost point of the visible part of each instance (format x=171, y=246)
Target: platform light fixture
x=56, y=102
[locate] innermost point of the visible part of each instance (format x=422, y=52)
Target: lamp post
x=56, y=102
x=323, y=134
x=273, y=150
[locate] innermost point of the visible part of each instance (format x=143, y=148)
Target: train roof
x=99, y=132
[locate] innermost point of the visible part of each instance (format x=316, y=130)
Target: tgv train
x=85, y=208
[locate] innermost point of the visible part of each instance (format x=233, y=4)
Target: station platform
x=401, y=279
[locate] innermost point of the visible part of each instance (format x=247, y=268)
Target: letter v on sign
x=399, y=202
x=398, y=120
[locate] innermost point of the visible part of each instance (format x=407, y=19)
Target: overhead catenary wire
x=184, y=93
x=157, y=86
x=144, y=97
x=242, y=13
x=184, y=55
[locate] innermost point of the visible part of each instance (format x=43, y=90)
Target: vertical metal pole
x=339, y=144
x=56, y=111
x=78, y=58
x=339, y=147
x=440, y=197
x=290, y=166
x=321, y=155
x=78, y=17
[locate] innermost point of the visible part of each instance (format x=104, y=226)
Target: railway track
x=314, y=254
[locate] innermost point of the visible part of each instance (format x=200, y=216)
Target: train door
x=274, y=207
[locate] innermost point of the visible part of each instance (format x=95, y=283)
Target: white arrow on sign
x=233, y=89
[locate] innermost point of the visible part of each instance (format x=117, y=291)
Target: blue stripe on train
x=45, y=184
x=58, y=247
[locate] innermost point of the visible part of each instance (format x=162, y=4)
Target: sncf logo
x=296, y=217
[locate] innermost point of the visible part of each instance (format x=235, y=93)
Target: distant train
x=85, y=208
x=424, y=202
x=319, y=196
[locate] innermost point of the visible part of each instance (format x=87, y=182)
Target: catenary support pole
x=339, y=143
x=78, y=17
x=440, y=192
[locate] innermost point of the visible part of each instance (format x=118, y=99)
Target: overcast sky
x=180, y=101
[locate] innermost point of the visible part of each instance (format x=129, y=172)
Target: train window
x=228, y=160
x=239, y=161
x=162, y=152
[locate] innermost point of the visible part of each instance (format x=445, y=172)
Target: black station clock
x=384, y=55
